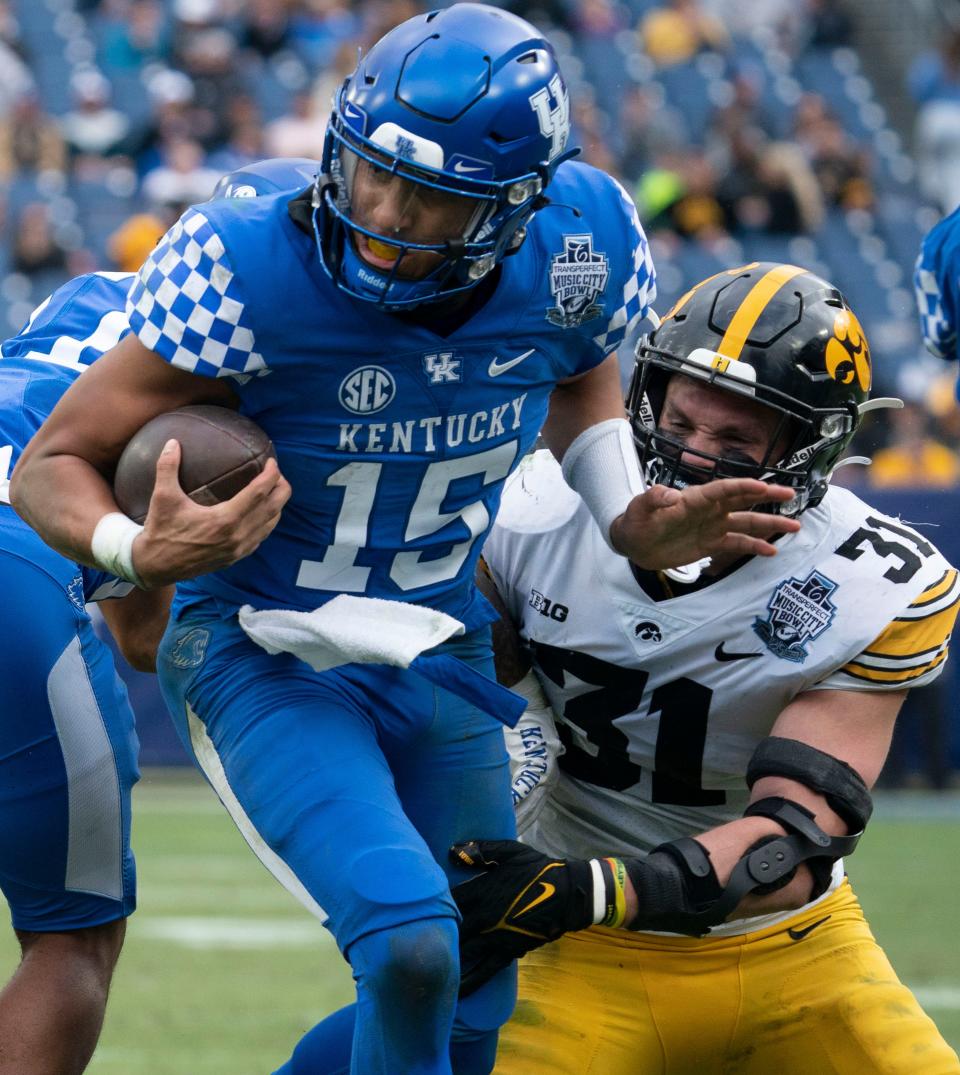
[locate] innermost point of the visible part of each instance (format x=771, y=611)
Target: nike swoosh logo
x=548, y=891
x=497, y=367
x=461, y=167
x=799, y=934
x=724, y=655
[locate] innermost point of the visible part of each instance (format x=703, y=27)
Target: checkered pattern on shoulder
x=939, y=336
x=640, y=289
x=186, y=306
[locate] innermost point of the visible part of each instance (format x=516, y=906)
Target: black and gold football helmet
x=778, y=335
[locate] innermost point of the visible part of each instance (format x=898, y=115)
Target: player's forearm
x=578, y=404
x=62, y=497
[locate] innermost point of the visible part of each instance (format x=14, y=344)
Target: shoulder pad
x=536, y=499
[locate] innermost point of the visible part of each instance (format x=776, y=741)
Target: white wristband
x=601, y=465
x=112, y=546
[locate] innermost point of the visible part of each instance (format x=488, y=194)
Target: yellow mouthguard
x=382, y=250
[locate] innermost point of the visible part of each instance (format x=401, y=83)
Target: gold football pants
x=814, y=995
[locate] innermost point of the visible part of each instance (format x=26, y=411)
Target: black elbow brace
x=842, y=786
x=677, y=888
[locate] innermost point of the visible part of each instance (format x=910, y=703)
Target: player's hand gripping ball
x=221, y=452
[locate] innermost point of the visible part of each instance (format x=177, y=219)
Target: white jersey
x=661, y=703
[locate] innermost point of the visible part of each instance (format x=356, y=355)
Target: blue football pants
x=68, y=749
x=350, y=785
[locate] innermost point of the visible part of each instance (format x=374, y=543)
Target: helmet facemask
x=446, y=232
x=803, y=448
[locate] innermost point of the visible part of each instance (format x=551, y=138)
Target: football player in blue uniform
x=67, y=740
x=399, y=329
x=936, y=281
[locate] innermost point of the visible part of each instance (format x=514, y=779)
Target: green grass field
x=222, y=969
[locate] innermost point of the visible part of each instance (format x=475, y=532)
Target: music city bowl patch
x=578, y=276
x=799, y=611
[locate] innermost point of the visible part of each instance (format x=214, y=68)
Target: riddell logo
x=551, y=609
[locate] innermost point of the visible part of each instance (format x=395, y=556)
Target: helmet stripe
x=749, y=311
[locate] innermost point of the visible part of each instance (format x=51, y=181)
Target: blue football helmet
x=438, y=151
x=267, y=177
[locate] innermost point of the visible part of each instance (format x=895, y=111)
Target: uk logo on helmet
x=552, y=107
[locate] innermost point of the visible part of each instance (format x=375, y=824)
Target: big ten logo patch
x=553, y=610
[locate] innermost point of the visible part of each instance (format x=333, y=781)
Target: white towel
x=365, y=630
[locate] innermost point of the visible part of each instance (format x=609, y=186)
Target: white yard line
x=216, y=932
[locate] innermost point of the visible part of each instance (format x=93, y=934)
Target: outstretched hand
x=666, y=527
x=182, y=539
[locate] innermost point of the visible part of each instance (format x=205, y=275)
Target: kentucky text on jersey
x=427, y=434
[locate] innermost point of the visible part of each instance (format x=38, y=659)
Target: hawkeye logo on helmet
x=553, y=114
x=847, y=356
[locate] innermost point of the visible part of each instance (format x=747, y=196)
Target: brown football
x=221, y=452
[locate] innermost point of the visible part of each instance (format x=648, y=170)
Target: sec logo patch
x=367, y=390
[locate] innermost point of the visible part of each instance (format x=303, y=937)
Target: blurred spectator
x=206, y=51
x=935, y=74
x=330, y=79
x=914, y=458
x=265, y=27
x=590, y=133
x=937, y=150
x=135, y=34
x=93, y=128
x=826, y=24
x=30, y=140
x=649, y=125
x=744, y=110
x=35, y=247
x=677, y=31
x=680, y=197
x=842, y=167
x=171, y=97
x=129, y=246
x=379, y=17
x=15, y=78
x=769, y=189
x=245, y=142
x=778, y=19
x=319, y=27
x=300, y=133
x=183, y=179
x=596, y=24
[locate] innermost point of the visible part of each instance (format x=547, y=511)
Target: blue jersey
x=395, y=440
x=937, y=283
x=64, y=335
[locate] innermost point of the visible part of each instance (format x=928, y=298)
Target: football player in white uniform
x=719, y=728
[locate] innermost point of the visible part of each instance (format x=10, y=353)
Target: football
x=221, y=452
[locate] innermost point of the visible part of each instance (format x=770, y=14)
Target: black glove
x=522, y=900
